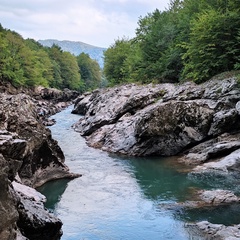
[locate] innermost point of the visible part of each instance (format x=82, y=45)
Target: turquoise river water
x=122, y=197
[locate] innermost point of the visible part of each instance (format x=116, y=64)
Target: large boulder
x=34, y=220
x=27, y=144
x=211, y=231
x=162, y=119
x=8, y=211
x=29, y=154
x=107, y=106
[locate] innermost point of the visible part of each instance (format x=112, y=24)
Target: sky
x=96, y=22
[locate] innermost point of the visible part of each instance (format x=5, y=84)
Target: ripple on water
x=116, y=198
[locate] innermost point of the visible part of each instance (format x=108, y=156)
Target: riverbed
x=120, y=197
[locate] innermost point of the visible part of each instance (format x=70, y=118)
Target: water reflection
x=53, y=191
x=118, y=197
x=225, y=214
x=215, y=179
x=161, y=179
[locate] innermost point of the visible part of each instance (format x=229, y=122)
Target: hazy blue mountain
x=76, y=48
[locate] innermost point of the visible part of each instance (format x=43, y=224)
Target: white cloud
x=95, y=22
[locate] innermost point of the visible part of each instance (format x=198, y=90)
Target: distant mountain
x=76, y=48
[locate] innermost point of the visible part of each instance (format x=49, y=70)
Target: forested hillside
x=77, y=48
x=28, y=63
x=191, y=40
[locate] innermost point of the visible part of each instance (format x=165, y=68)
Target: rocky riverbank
x=29, y=157
x=199, y=123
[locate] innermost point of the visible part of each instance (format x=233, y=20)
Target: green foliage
x=65, y=69
x=132, y=65
x=160, y=56
x=70, y=71
x=213, y=45
x=28, y=63
x=13, y=62
x=114, y=59
x=90, y=72
x=191, y=40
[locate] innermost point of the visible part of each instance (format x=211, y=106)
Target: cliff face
x=8, y=211
x=30, y=156
x=200, y=123
x=27, y=145
x=160, y=119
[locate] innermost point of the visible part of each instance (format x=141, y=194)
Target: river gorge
x=121, y=197
x=156, y=161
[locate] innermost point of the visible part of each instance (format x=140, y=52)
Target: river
x=119, y=197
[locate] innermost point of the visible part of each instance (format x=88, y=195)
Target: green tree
x=90, y=71
x=13, y=70
x=28, y=63
x=132, y=65
x=114, y=59
x=70, y=72
x=160, y=58
x=214, y=46
x=65, y=69
x=5, y=74
x=55, y=56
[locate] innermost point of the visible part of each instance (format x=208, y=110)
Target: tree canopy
x=115, y=58
x=191, y=40
x=28, y=63
x=90, y=71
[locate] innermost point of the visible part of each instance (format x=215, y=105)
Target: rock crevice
x=162, y=119
x=199, y=123
x=30, y=155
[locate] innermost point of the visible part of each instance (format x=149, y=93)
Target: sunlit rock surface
x=34, y=220
x=200, y=123
x=216, y=231
x=29, y=154
x=163, y=119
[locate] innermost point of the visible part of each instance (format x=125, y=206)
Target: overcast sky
x=96, y=22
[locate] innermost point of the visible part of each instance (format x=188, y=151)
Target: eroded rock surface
x=215, y=148
x=34, y=220
x=162, y=119
x=216, y=231
x=208, y=200
x=29, y=154
x=27, y=144
x=201, y=123
x=216, y=197
x=205, y=198
x=8, y=211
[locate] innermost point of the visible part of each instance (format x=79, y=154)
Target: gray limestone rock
x=8, y=211
x=27, y=144
x=218, y=196
x=28, y=153
x=215, y=148
x=35, y=222
x=216, y=231
x=224, y=165
x=109, y=105
x=163, y=119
